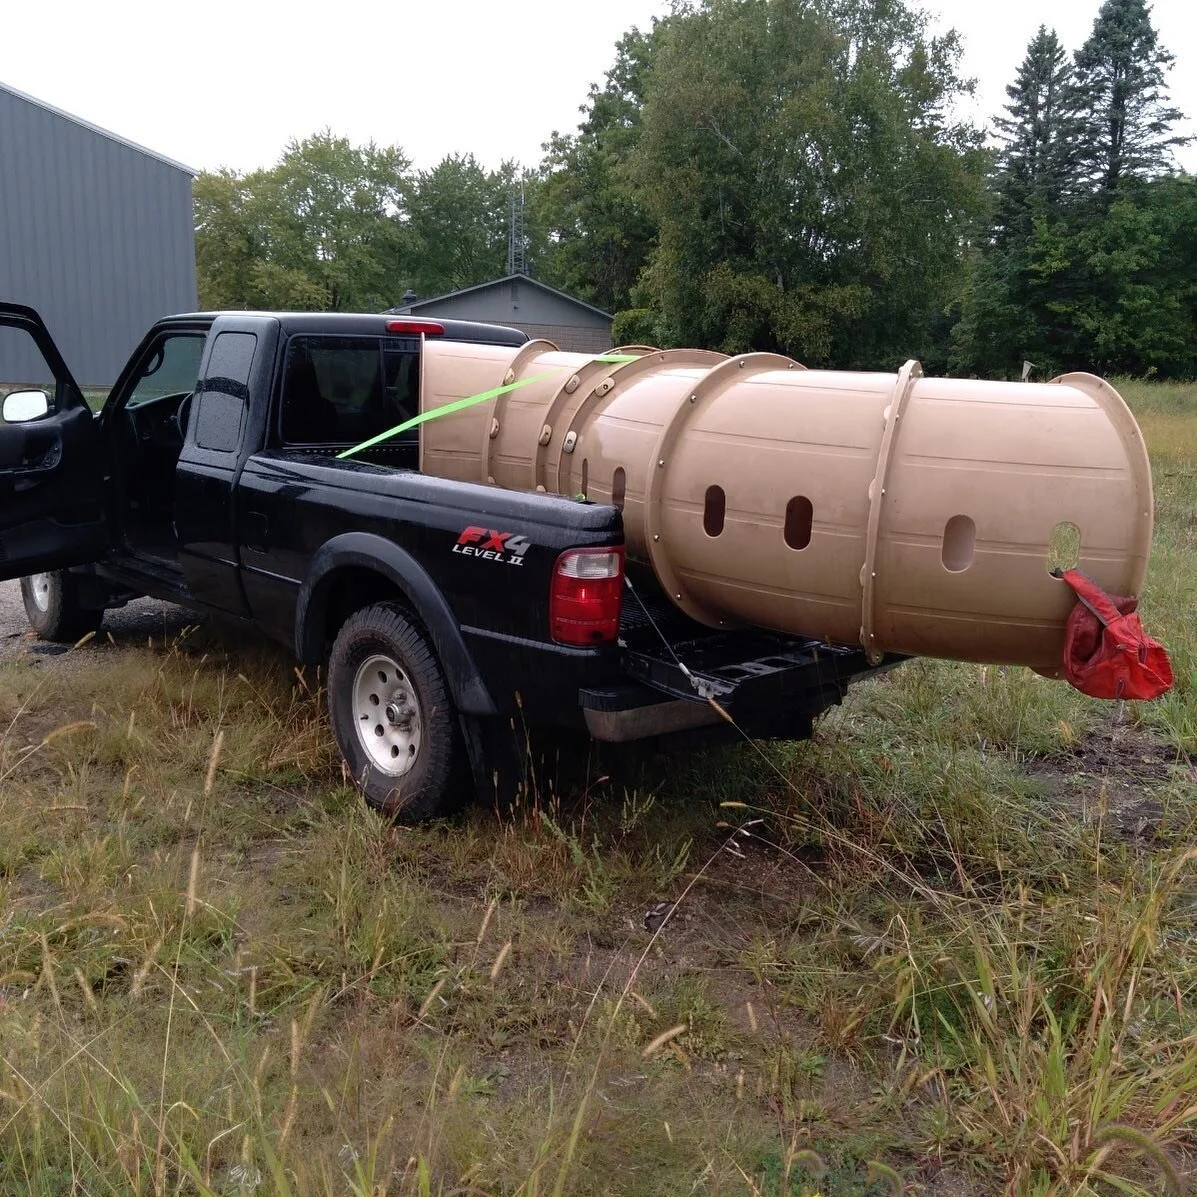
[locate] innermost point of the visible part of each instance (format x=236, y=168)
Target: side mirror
x=22, y=406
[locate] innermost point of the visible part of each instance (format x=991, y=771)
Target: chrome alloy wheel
x=387, y=715
x=39, y=584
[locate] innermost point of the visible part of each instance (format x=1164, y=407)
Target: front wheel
x=53, y=608
x=392, y=716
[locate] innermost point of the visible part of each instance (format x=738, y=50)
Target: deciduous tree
x=809, y=190
x=596, y=231
x=323, y=228
x=459, y=218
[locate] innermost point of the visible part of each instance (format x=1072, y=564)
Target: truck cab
x=141, y=484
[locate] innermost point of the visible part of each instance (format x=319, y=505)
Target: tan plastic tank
x=907, y=514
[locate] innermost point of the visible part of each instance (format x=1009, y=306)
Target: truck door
x=53, y=460
x=225, y=425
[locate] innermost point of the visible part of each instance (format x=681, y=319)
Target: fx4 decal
x=504, y=548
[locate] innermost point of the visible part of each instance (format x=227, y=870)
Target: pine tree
x=1128, y=120
x=1039, y=138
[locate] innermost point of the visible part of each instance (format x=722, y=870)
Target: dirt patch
x=1119, y=773
x=132, y=625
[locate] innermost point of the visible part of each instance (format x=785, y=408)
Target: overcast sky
x=223, y=83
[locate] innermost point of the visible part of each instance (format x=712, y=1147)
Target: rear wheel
x=392, y=716
x=53, y=608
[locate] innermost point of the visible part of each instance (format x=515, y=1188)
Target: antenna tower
x=516, y=260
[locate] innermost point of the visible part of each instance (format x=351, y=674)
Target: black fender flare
x=365, y=550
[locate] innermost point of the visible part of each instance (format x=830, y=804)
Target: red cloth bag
x=1107, y=654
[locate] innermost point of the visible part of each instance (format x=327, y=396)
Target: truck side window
x=24, y=368
x=224, y=392
x=170, y=368
x=333, y=391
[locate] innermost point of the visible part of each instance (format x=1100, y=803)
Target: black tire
x=53, y=608
x=430, y=785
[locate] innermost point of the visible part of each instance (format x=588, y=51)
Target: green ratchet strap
x=470, y=401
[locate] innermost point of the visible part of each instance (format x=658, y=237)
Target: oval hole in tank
x=1064, y=547
x=959, y=544
x=799, y=517
x=619, y=486
x=713, y=510
x=585, y=477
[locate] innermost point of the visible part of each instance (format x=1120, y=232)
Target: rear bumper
x=645, y=716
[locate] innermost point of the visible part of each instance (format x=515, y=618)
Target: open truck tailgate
x=676, y=671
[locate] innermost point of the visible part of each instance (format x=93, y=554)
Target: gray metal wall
x=94, y=233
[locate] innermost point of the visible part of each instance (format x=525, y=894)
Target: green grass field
x=948, y=947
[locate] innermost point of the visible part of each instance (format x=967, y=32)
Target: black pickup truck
x=451, y=617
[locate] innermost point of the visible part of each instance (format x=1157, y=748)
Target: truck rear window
x=344, y=390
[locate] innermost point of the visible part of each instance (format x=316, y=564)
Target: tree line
x=782, y=175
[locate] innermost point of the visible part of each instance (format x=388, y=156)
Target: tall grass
x=946, y=945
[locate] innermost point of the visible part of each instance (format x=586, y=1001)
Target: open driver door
x=53, y=456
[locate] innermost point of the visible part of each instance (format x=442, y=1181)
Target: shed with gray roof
x=522, y=302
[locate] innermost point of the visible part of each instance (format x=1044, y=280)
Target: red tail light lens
x=429, y=328
x=587, y=596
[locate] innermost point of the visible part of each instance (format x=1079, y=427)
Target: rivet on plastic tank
x=660, y=463
x=571, y=439
x=546, y=434
x=494, y=429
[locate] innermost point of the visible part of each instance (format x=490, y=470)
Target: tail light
x=587, y=595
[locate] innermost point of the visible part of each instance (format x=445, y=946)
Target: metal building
x=95, y=232
x=524, y=303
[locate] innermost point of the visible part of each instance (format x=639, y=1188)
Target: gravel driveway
x=130, y=624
